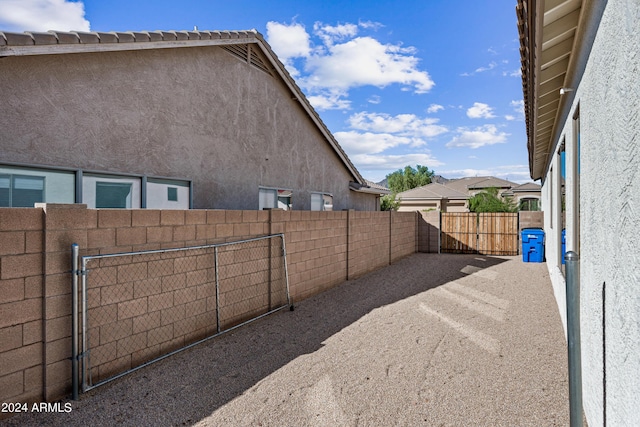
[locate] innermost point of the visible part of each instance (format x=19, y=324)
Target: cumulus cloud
x=288, y=41
x=42, y=15
x=342, y=60
x=403, y=124
x=478, y=137
x=330, y=34
x=480, y=111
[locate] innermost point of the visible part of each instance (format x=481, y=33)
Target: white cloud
x=480, y=111
x=402, y=124
x=478, y=137
x=365, y=61
x=356, y=143
x=434, y=108
x=514, y=73
x=342, y=61
x=374, y=99
x=42, y=15
x=329, y=101
x=393, y=162
x=288, y=41
x=478, y=70
x=330, y=34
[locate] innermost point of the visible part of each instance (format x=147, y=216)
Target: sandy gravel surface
x=433, y=340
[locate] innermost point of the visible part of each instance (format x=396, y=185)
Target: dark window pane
x=27, y=190
x=172, y=194
x=113, y=195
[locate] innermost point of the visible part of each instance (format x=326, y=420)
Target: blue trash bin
x=533, y=245
x=564, y=243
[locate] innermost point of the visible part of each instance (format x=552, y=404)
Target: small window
x=113, y=195
x=21, y=190
x=172, y=194
x=269, y=198
x=530, y=204
x=321, y=202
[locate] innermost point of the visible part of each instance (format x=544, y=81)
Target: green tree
x=490, y=201
x=408, y=178
x=388, y=202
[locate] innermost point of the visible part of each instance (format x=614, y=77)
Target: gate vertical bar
x=74, y=322
x=286, y=271
x=83, y=272
x=215, y=254
x=572, y=262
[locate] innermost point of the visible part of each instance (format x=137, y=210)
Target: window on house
x=270, y=198
x=530, y=204
x=172, y=194
x=21, y=190
x=113, y=195
x=321, y=202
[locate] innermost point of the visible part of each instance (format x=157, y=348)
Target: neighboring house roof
x=432, y=191
x=376, y=187
x=239, y=43
x=527, y=187
x=463, y=185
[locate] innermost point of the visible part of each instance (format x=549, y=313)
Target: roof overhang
x=549, y=31
x=368, y=189
x=57, y=42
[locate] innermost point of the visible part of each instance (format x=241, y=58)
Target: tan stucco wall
x=192, y=112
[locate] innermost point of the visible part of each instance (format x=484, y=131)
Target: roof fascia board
x=64, y=48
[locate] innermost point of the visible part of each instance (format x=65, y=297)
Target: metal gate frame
x=473, y=237
x=80, y=357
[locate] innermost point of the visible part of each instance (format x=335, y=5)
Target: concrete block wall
x=428, y=231
x=531, y=219
x=323, y=250
x=404, y=235
x=21, y=291
x=369, y=241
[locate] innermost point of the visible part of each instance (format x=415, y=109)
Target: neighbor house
x=433, y=196
x=452, y=195
x=165, y=120
x=580, y=68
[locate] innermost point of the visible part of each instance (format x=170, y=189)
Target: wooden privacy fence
x=482, y=233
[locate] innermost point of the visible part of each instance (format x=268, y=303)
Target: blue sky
x=429, y=82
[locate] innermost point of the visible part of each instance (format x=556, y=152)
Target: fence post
x=74, y=322
x=572, y=266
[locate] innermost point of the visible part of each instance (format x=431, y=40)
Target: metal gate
x=479, y=233
x=139, y=307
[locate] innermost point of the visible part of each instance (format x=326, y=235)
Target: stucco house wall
x=198, y=113
x=601, y=136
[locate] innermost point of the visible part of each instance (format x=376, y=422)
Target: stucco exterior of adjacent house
x=164, y=120
x=580, y=63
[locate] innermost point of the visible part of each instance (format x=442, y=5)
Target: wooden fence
x=482, y=233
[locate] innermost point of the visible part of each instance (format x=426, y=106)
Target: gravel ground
x=432, y=340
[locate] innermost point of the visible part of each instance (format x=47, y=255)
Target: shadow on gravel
x=187, y=387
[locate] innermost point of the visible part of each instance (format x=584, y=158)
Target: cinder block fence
x=323, y=250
